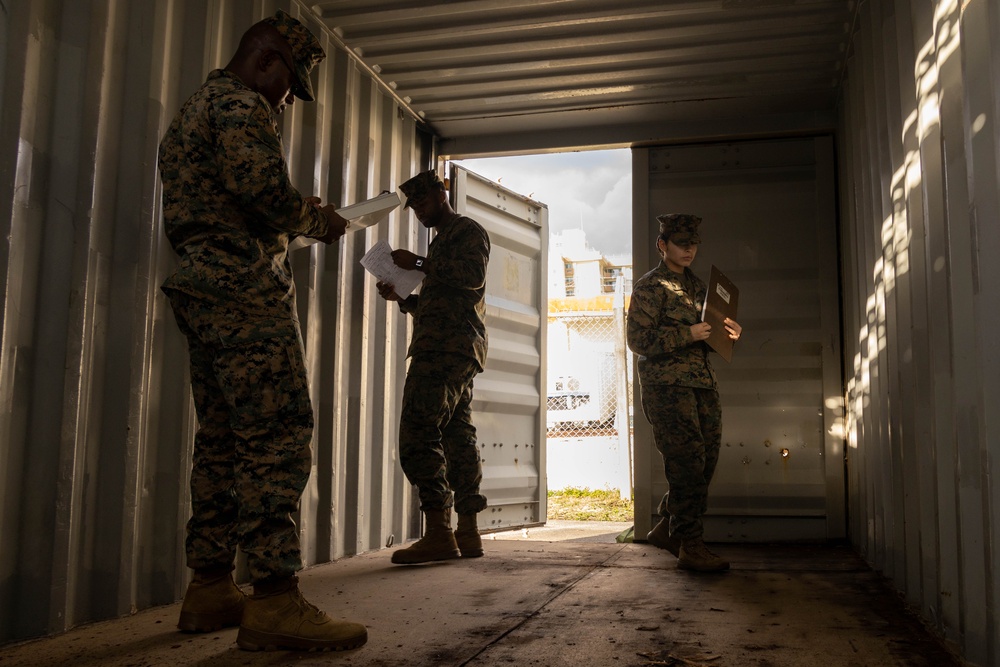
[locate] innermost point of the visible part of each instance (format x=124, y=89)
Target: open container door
x=508, y=399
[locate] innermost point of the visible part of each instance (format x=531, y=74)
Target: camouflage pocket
x=235, y=334
x=455, y=369
x=263, y=378
x=679, y=312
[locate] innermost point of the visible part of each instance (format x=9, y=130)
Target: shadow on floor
x=563, y=594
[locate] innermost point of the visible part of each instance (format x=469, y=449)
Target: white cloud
x=588, y=189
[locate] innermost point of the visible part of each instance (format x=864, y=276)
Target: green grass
x=576, y=504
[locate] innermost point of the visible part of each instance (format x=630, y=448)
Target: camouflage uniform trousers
x=252, y=454
x=437, y=440
x=687, y=429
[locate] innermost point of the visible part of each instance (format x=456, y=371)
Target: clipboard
x=721, y=301
x=361, y=216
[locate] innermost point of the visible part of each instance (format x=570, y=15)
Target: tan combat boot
x=277, y=616
x=696, y=556
x=660, y=538
x=438, y=542
x=212, y=601
x=470, y=544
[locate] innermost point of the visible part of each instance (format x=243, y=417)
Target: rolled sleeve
x=464, y=266
x=647, y=336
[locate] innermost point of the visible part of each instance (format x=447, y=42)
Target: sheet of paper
x=378, y=262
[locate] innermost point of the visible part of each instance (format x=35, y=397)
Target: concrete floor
x=565, y=594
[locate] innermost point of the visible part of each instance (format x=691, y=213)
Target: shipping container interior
x=848, y=150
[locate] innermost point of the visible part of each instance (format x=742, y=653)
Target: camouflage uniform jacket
x=663, y=307
x=229, y=209
x=449, y=314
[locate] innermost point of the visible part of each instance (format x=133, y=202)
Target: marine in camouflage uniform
x=680, y=396
x=437, y=439
x=229, y=212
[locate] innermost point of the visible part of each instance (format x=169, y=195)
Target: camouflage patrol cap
x=681, y=228
x=306, y=51
x=420, y=186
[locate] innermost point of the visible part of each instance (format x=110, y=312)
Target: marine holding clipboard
x=680, y=395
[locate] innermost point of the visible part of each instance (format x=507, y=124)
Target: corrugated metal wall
x=921, y=237
x=96, y=421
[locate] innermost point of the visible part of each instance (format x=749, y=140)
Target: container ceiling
x=498, y=74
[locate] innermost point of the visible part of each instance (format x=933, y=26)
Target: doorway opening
x=588, y=366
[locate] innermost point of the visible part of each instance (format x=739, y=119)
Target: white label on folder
x=722, y=292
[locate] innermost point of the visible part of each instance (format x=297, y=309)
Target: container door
x=509, y=404
x=769, y=223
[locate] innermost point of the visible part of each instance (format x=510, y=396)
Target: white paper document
x=378, y=262
x=360, y=216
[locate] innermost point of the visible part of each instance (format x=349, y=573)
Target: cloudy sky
x=588, y=189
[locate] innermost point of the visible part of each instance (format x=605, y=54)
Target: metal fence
x=589, y=371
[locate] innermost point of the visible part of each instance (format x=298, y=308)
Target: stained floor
x=561, y=595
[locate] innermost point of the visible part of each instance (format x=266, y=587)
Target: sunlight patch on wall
x=895, y=232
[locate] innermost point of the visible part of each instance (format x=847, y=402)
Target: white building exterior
x=576, y=270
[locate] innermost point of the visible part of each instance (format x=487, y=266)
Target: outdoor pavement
x=564, y=594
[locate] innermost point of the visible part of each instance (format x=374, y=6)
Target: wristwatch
x=419, y=263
